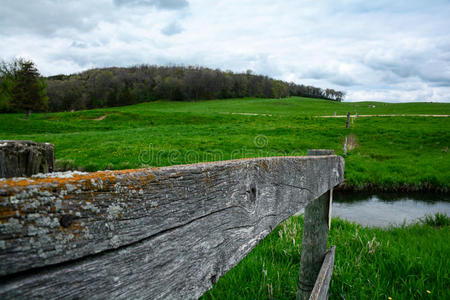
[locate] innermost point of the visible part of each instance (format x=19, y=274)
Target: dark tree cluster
x=21, y=87
x=124, y=86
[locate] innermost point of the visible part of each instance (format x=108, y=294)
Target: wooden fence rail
x=158, y=233
x=322, y=284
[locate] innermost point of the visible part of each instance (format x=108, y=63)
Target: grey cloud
x=44, y=18
x=400, y=68
x=443, y=83
x=436, y=79
x=334, y=77
x=316, y=74
x=63, y=18
x=389, y=78
x=343, y=80
x=266, y=65
x=84, y=60
x=163, y=4
x=81, y=45
x=85, y=45
x=172, y=29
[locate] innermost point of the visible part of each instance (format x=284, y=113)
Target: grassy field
x=389, y=152
x=409, y=262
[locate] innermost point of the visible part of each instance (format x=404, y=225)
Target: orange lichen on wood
x=75, y=178
x=264, y=165
x=6, y=213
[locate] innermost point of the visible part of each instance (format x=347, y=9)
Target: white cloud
x=384, y=50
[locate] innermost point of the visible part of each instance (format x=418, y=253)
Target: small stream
x=382, y=210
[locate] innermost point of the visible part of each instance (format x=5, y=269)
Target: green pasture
x=388, y=152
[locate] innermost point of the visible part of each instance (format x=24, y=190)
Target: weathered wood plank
x=322, y=286
x=25, y=158
x=314, y=244
x=151, y=233
x=317, y=152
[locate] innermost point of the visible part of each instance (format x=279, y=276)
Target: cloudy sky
x=374, y=50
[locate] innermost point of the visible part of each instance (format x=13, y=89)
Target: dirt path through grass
x=100, y=118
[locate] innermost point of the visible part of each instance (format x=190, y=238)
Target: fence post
x=25, y=158
x=315, y=236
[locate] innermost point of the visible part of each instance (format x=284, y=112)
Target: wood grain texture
x=150, y=233
x=317, y=152
x=25, y=158
x=322, y=286
x=314, y=244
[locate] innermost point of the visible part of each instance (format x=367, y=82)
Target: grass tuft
x=438, y=220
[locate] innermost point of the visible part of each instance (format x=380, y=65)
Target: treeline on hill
x=115, y=86
x=125, y=86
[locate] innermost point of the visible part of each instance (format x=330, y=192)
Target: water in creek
x=382, y=210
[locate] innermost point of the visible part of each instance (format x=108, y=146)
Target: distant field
x=389, y=152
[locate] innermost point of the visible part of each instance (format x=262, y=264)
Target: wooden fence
x=158, y=233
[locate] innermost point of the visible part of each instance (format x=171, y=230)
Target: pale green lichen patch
x=46, y=221
x=33, y=230
x=114, y=241
x=114, y=211
x=90, y=207
x=12, y=227
x=70, y=188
